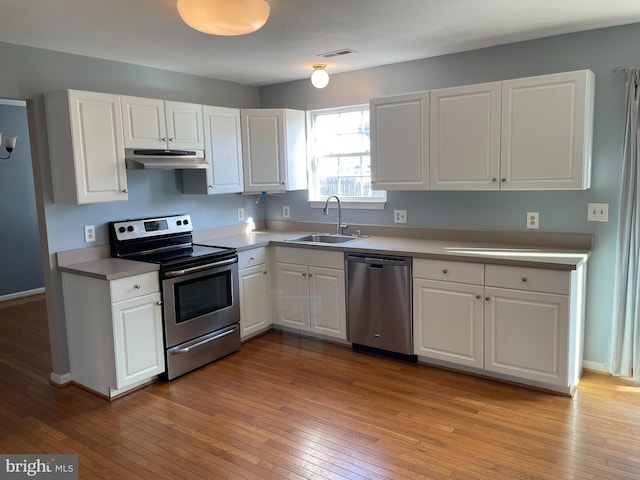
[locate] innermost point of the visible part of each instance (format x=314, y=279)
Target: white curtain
x=625, y=344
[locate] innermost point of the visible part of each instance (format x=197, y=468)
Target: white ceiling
x=150, y=32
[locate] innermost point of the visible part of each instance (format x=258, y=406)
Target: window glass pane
x=340, y=160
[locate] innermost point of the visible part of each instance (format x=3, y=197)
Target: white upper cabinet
x=86, y=147
x=274, y=150
x=151, y=123
x=400, y=142
x=223, y=152
x=465, y=137
x=525, y=134
x=547, y=124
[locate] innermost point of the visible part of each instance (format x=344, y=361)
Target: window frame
x=364, y=203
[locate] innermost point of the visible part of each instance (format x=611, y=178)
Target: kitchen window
x=340, y=158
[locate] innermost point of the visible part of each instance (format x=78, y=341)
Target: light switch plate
x=241, y=214
x=286, y=211
x=598, y=212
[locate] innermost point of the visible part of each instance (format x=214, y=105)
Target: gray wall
x=27, y=74
x=19, y=239
x=598, y=50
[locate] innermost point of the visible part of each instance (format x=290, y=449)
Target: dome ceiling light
x=320, y=77
x=224, y=17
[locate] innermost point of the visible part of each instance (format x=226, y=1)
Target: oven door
x=200, y=300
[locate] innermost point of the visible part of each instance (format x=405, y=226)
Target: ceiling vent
x=336, y=53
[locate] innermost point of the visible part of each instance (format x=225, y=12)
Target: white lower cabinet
x=254, y=292
x=448, y=314
x=526, y=334
x=114, y=330
x=520, y=324
x=310, y=288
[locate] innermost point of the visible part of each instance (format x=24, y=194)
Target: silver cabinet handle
x=265, y=272
x=524, y=279
x=487, y=298
x=304, y=274
x=445, y=271
x=164, y=139
x=503, y=180
x=209, y=186
x=251, y=259
x=494, y=179
x=171, y=139
x=159, y=302
x=137, y=287
x=310, y=275
x=478, y=297
x=124, y=190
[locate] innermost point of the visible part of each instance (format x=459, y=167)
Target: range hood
x=154, y=159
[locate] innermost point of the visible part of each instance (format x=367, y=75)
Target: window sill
x=351, y=205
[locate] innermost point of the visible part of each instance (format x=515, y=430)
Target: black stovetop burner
x=166, y=241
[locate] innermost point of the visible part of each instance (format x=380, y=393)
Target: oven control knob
x=122, y=229
x=179, y=222
x=130, y=228
x=185, y=221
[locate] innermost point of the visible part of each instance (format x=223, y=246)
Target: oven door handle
x=185, y=271
x=188, y=348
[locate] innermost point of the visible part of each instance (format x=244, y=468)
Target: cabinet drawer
x=532, y=279
x=251, y=258
x=449, y=271
x=134, y=286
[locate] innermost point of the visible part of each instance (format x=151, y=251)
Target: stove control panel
x=152, y=227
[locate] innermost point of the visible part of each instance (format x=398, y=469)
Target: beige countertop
x=109, y=268
x=521, y=255
x=505, y=254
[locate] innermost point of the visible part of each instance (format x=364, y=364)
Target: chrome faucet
x=325, y=211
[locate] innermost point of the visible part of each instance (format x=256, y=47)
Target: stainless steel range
x=199, y=286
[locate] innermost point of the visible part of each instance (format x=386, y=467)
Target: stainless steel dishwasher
x=379, y=303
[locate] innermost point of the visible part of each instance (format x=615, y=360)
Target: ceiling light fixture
x=320, y=77
x=9, y=143
x=224, y=17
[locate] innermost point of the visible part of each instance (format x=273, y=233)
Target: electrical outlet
x=400, y=216
x=286, y=211
x=533, y=220
x=89, y=233
x=598, y=212
x=241, y=214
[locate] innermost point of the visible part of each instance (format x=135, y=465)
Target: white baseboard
x=597, y=366
x=60, y=379
x=26, y=293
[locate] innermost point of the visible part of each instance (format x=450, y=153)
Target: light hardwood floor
x=286, y=407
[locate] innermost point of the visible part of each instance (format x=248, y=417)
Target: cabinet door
x=465, y=137
x=223, y=152
x=400, y=142
x=138, y=340
x=293, y=295
x=254, y=300
x=448, y=321
x=144, y=123
x=263, y=150
x=526, y=335
x=184, y=126
x=327, y=305
x=98, y=150
x=547, y=124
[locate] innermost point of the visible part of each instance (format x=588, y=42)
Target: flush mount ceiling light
x=320, y=77
x=224, y=17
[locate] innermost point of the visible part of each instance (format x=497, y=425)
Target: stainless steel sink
x=323, y=238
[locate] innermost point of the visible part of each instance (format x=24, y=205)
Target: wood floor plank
x=289, y=407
